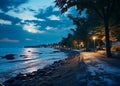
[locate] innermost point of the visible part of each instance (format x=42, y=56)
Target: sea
x=27, y=60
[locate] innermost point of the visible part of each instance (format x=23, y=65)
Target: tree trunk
x=108, y=47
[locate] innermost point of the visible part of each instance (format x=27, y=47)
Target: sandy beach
x=81, y=69
x=56, y=74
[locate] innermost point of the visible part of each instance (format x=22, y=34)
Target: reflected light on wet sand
x=31, y=69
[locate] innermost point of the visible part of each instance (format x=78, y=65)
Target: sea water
x=26, y=60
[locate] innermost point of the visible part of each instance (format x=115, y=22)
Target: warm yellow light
x=94, y=37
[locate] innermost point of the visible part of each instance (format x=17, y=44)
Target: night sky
x=32, y=22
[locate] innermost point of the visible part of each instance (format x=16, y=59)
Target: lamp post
x=94, y=38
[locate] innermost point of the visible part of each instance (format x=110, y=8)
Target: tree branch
x=98, y=13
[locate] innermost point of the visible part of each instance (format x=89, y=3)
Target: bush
x=115, y=48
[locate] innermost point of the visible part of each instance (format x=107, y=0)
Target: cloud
x=1, y=11
x=31, y=26
x=72, y=11
x=9, y=40
x=44, y=13
x=6, y=17
x=54, y=17
x=6, y=5
x=32, y=29
x=56, y=9
x=49, y=28
x=38, y=4
x=24, y=14
x=28, y=39
x=5, y=22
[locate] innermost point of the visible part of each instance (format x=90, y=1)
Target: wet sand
x=84, y=69
x=60, y=73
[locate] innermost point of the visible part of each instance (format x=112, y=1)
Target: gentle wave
x=10, y=68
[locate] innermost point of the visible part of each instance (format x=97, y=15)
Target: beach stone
x=9, y=56
x=46, y=84
x=30, y=84
x=21, y=76
x=24, y=56
x=62, y=62
x=41, y=72
x=56, y=62
x=1, y=84
x=55, y=65
x=94, y=83
x=17, y=83
x=56, y=76
x=82, y=82
x=30, y=75
x=51, y=67
x=10, y=80
x=38, y=70
x=55, y=51
x=36, y=53
x=54, y=68
x=48, y=67
x=48, y=73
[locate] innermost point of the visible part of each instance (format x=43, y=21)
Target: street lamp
x=94, y=38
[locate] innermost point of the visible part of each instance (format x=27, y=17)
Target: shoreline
x=45, y=72
x=33, y=62
x=81, y=69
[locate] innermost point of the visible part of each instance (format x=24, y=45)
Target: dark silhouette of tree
x=81, y=30
x=107, y=10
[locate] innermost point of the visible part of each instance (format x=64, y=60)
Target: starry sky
x=32, y=22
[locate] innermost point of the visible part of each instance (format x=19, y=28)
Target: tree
x=100, y=34
x=103, y=8
x=67, y=41
x=82, y=29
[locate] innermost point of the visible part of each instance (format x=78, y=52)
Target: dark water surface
x=26, y=60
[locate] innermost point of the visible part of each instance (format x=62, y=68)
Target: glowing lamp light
x=94, y=42
x=94, y=37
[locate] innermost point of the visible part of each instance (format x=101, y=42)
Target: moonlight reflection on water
x=26, y=60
